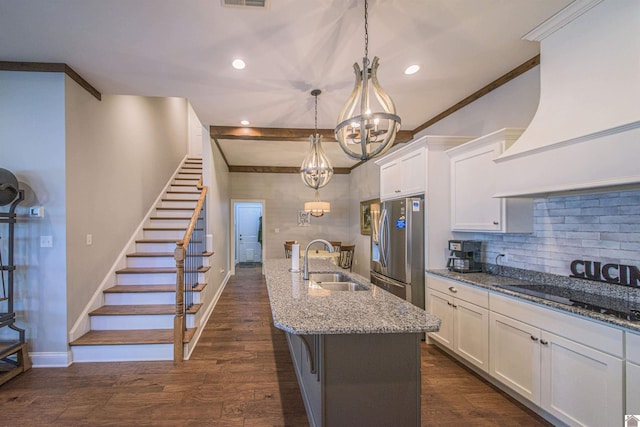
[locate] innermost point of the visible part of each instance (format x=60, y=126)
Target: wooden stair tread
x=183, y=192
x=135, y=289
x=139, y=309
x=151, y=270
x=165, y=228
x=156, y=241
x=150, y=254
x=164, y=208
x=146, y=270
x=171, y=218
x=130, y=337
x=179, y=200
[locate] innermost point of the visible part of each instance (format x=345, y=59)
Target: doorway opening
x=247, y=234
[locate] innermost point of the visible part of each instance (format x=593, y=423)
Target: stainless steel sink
x=329, y=277
x=342, y=286
x=336, y=282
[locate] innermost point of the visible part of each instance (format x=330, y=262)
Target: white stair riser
x=157, y=262
x=144, y=298
x=140, y=298
x=182, y=196
x=163, y=234
x=151, y=278
x=188, y=175
x=122, y=353
x=155, y=247
x=169, y=223
x=145, y=279
x=128, y=322
x=193, y=187
x=177, y=204
x=188, y=181
x=174, y=213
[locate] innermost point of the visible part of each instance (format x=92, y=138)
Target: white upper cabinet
x=474, y=182
x=402, y=173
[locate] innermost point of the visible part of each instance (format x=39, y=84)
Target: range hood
x=585, y=134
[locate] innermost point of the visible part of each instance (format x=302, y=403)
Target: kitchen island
x=356, y=353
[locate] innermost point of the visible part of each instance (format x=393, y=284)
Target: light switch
x=36, y=211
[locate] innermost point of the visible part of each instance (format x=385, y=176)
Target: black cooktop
x=617, y=307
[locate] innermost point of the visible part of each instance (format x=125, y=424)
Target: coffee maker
x=464, y=256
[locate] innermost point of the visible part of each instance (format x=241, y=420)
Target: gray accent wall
x=120, y=153
x=284, y=195
x=95, y=167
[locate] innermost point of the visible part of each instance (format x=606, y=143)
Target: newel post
x=178, y=321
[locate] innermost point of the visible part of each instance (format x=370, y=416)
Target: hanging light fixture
x=317, y=207
x=316, y=169
x=367, y=134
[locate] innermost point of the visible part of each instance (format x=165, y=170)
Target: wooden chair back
x=346, y=256
x=336, y=246
x=287, y=249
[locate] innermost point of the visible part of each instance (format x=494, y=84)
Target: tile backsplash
x=598, y=227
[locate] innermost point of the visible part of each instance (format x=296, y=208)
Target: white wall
x=598, y=226
x=364, y=185
x=284, y=196
x=217, y=177
x=120, y=153
x=32, y=146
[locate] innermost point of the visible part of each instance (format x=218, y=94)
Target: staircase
x=137, y=318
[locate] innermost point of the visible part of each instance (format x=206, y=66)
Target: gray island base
x=356, y=353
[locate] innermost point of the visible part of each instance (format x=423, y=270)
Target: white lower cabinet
x=580, y=385
x=464, y=325
x=573, y=368
x=515, y=355
x=575, y=380
x=632, y=370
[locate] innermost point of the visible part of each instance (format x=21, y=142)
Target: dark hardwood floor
x=239, y=375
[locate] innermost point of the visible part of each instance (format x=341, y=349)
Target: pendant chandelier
x=316, y=169
x=366, y=134
x=317, y=207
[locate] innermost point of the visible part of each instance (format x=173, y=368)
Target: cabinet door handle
x=398, y=191
x=544, y=342
x=534, y=338
x=452, y=289
x=495, y=223
x=454, y=306
x=449, y=304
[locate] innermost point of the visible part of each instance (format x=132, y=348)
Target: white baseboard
x=50, y=359
x=192, y=345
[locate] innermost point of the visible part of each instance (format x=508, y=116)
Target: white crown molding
x=560, y=19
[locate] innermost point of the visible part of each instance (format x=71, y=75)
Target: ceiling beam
x=51, y=67
x=281, y=134
x=280, y=169
x=520, y=69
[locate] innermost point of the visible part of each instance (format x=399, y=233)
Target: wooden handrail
x=179, y=255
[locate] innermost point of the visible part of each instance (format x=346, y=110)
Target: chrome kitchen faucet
x=305, y=262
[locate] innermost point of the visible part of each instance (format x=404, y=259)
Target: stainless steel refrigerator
x=397, y=248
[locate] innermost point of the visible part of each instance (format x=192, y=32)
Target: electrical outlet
x=46, y=241
x=89, y=239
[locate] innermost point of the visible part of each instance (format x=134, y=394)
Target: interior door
x=248, y=246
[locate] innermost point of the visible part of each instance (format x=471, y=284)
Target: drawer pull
x=452, y=289
x=544, y=342
x=454, y=306
x=534, y=338
x=449, y=304
x=495, y=223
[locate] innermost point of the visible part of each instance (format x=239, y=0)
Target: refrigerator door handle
x=382, y=240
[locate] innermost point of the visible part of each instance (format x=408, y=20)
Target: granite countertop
x=567, y=295
x=302, y=309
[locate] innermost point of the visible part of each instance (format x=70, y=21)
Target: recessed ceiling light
x=238, y=64
x=412, y=69
x=244, y=122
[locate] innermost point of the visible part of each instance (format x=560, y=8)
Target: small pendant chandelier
x=367, y=134
x=317, y=207
x=316, y=169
